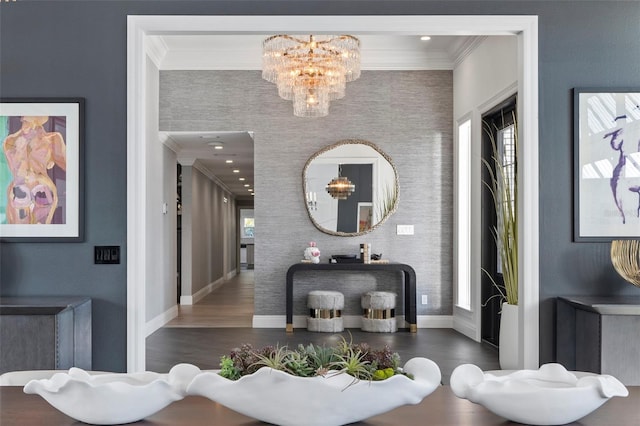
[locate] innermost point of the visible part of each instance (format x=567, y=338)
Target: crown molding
x=186, y=160
x=208, y=173
x=466, y=48
x=156, y=49
x=168, y=141
x=251, y=59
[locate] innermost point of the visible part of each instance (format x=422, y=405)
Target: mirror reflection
x=350, y=188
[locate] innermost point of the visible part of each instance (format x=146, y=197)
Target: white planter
x=113, y=398
x=508, y=340
x=548, y=396
x=335, y=399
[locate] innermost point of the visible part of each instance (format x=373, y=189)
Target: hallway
x=222, y=320
x=230, y=305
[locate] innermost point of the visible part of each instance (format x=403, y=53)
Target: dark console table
x=409, y=284
x=45, y=333
x=600, y=335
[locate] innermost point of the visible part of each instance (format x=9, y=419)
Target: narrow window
x=463, y=295
x=248, y=227
x=506, y=149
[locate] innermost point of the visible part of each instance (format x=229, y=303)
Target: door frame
x=525, y=27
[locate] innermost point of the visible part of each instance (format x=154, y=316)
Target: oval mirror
x=350, y=188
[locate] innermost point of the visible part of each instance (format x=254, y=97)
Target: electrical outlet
x=424, y=299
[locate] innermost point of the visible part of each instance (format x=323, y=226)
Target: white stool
x=378, y=312
x=325, y=311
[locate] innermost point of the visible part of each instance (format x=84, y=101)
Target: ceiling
x=244, y=52
x=231, y=165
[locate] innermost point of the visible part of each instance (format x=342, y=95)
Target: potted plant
x=502, y=184
x=319, y=385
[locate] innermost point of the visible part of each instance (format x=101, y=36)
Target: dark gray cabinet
x=600, y=335
x=45, y=333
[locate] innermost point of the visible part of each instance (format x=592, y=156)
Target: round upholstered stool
x=378, y=312
x=325, y=311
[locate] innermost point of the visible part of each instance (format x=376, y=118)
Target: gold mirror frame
x=396, y=186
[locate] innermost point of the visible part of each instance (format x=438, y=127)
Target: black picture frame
x=606, y=146
x=42, y=187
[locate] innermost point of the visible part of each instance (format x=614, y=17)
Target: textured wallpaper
x=407, y=114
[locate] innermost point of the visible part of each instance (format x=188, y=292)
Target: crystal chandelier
x=311, y=70
x=340, y=188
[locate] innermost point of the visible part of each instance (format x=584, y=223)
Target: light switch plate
x=424, y=299
x=106, y=255
x=404, y=229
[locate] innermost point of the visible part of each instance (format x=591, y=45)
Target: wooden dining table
x=441, y=408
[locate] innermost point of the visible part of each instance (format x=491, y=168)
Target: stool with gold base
x=325, y=311
x=378, y=312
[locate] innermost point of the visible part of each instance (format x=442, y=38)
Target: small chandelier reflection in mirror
x=311, y=70
x=340, y=188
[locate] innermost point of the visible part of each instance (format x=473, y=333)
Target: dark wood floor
x=203, y=346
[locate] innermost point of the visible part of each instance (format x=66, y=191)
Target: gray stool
x=325, y=311
x=378, y=312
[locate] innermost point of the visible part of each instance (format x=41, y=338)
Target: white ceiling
x=218, y=164
x=244, y=52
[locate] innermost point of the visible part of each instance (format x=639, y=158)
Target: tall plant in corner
x=502, y=184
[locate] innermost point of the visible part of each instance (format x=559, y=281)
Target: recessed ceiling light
x=236, y=171
x=229, y=161
x=216, y=145
x=240, y=178
x=253, y=193
x=250, y=189
x=246, y=185
x=425, y=38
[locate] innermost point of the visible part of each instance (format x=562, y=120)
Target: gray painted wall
x=408, y=114
x=581, y=44
x=209, y=219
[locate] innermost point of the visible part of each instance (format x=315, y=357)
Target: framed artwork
x=606, y=164
x=365, y=216
x=41, y=169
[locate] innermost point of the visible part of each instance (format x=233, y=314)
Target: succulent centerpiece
x=360, y=361
x=323, y=385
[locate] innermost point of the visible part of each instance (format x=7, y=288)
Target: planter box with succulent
x=319, y=385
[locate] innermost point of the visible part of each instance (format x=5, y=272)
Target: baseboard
x=465, y=328
x=435, y=321
x=350, y=321
x=195, y=298
x=160, y=320
x=232, y=274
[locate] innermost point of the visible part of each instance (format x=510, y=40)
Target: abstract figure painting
x=606, y=164
x=41, y=169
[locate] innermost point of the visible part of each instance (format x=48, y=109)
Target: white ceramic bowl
x=114, y=398
x=317, y=401
x=550, y=395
